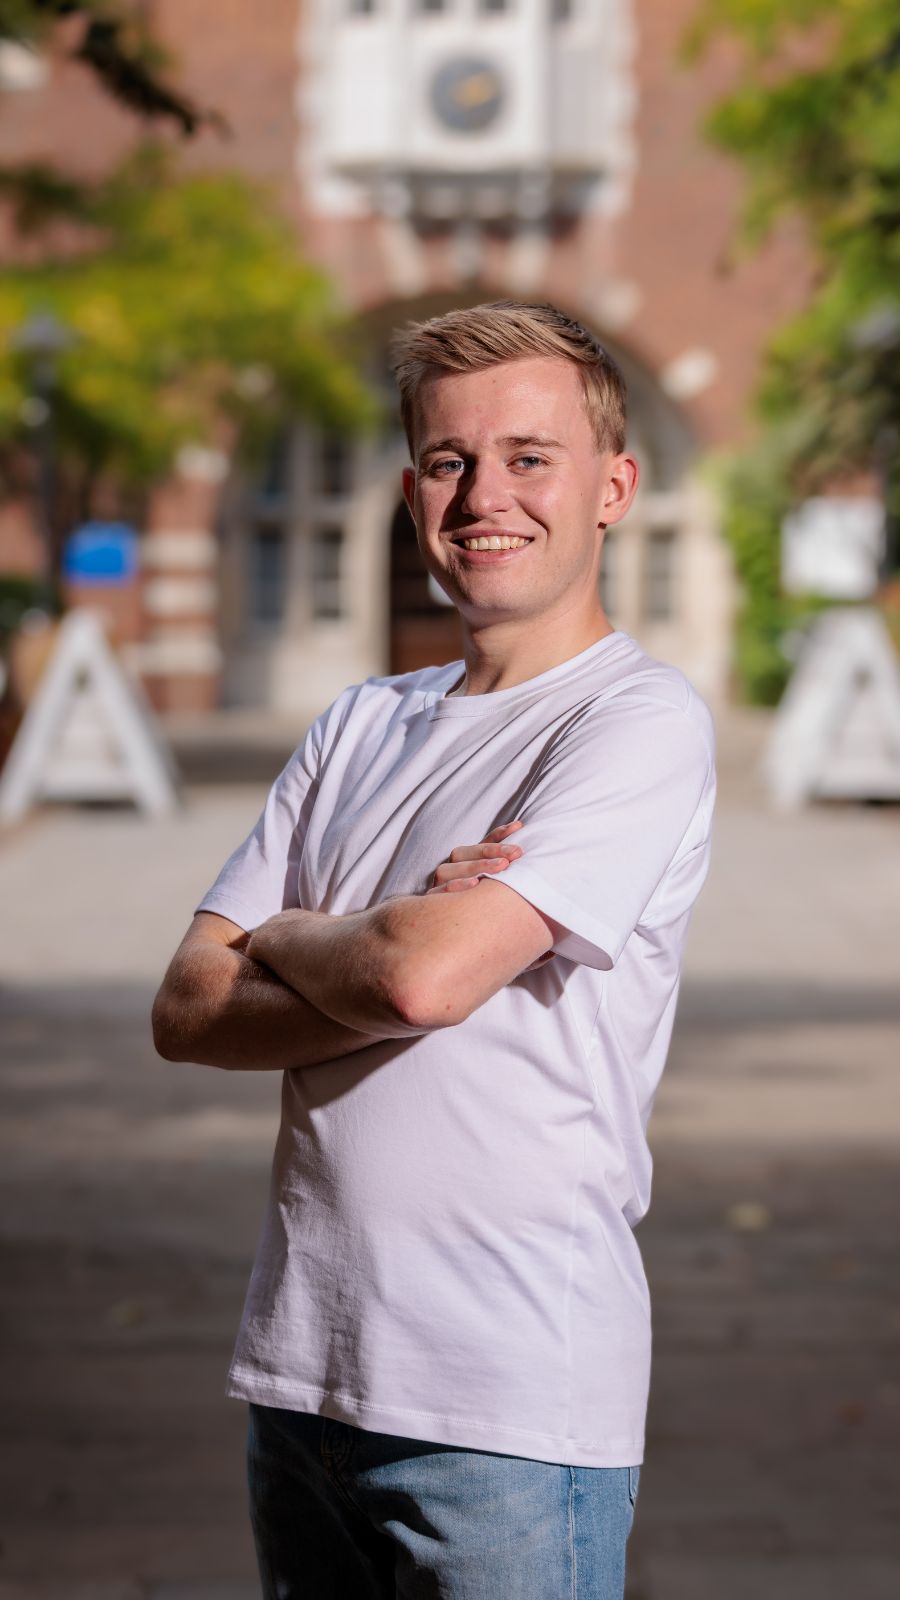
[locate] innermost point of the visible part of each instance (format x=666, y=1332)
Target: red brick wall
x=671, y=244
x=675, y=238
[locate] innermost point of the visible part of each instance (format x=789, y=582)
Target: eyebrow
x=514, y=439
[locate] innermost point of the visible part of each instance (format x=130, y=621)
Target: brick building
x=435, y=153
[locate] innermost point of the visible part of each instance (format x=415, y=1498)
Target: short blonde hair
x=473, y=338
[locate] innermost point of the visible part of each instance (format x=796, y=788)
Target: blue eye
x=536, y=460
x=451, y=462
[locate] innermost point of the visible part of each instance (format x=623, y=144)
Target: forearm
x=223, y=1009
x=411, y=964
x=350, y=967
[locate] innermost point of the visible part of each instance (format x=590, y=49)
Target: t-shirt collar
x=437, y=704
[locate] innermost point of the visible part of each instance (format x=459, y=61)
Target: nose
x=486, y=490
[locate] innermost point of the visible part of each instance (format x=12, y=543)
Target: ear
x=619, y=489
x=409, y=490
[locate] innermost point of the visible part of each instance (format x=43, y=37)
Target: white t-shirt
x=447, y=1252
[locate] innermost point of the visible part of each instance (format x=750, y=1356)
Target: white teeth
x=495, y=542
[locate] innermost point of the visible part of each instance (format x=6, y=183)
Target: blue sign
x=101, y=553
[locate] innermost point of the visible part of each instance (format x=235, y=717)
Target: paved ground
x=131, y=1191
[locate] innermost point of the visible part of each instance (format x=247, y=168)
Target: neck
x=503, y=654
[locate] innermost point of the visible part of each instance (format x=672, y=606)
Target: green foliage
x=114, y=42
x=190, y=306
x=761, y=24
x=37, y=193
x=816, y=125
x=18, y=594
x=755, y=492
x=112, y=39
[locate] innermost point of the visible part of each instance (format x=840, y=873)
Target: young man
x=446, y=1339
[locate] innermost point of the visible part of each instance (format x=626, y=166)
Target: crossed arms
x=307, y=987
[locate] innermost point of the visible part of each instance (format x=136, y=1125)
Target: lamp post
x=40, y=340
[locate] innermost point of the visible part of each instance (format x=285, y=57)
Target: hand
x=492, y=855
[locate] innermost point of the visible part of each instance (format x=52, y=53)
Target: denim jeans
x=340, y=1513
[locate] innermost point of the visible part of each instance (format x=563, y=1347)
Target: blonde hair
x=471, y=339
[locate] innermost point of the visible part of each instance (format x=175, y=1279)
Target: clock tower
x=437, y=111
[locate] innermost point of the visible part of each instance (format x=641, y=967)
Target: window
x=361, y=8
x=267, y=571
x=327, y=560
x=659, y=574
x=273, y=480
x=335, y=465
x=429, y=7
x=494, y=5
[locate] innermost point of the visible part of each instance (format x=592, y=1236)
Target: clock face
x=467, y=93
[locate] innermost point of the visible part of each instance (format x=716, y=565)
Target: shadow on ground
x=132, y=1191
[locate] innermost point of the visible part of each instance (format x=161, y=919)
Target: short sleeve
x=622, y=796
x=260, y=878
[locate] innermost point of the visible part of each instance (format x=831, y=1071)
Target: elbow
x=163, y=1032
x=167, y=1021
x=422, y=1004
x=412, y=983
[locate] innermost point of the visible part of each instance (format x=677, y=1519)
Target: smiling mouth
x=493, y=541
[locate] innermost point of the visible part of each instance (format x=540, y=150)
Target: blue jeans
x=340, y=1513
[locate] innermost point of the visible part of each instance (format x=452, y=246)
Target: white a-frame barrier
x=89, y=732
x=837, y=729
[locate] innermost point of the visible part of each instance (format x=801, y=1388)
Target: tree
x=115, y=43
x=191, y=307
x=192, y=310
x=816, y=124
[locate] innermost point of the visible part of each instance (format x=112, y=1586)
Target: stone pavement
x=132, y=1188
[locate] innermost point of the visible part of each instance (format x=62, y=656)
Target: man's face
x=509, y=453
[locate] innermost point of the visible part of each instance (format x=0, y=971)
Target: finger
x=504, y=828
x=453, y=886
x=480, y=852
x=462, y=869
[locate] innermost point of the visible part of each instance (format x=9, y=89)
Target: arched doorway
x=425, y=629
